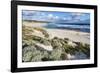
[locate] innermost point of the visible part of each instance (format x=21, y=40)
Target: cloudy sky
x=56, y=16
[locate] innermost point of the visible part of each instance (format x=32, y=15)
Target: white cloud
x=76, y=16
x=29, y=12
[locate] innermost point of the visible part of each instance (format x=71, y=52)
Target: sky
x=56, y=16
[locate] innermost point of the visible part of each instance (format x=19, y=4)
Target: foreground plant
x=32, y=52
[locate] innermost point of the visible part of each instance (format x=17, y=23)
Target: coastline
x=73, y=35
x=54, y=44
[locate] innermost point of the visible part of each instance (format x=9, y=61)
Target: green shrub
x=36, y=38
x=56, y=54
x=85, y=48
x=64, y=56
x=41, y=40
x=28, y=49
x=36, y=56
x=27, y=56
x=56, y=43
x=69, y=49
x=45, y=56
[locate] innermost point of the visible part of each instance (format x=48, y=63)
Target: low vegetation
x=32, y=52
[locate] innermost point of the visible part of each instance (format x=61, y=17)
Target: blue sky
x=56, y=16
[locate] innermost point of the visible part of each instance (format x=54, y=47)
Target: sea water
x=72, y=26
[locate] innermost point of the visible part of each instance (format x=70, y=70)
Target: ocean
x=70, y=26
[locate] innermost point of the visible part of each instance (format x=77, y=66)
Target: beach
x=53, y=43
x=76, y=36
x=73, y=35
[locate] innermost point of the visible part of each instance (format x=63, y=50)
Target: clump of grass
x=85, y=48
x=36, y=38
x=69, y=49
x=41, y=40
x=34, y=53
x=44, y=32
x=56, y=43
x=27, y=30
x=46, y=55
x=27, y=56
x=56, y=54
x=64, y=56
x=36, y=56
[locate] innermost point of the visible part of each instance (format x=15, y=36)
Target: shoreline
x=76, y=36
x=73, y=35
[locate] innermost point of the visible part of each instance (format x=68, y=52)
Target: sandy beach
x=76, y=36
x=73, y=35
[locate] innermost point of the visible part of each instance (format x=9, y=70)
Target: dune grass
x=34, y=53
